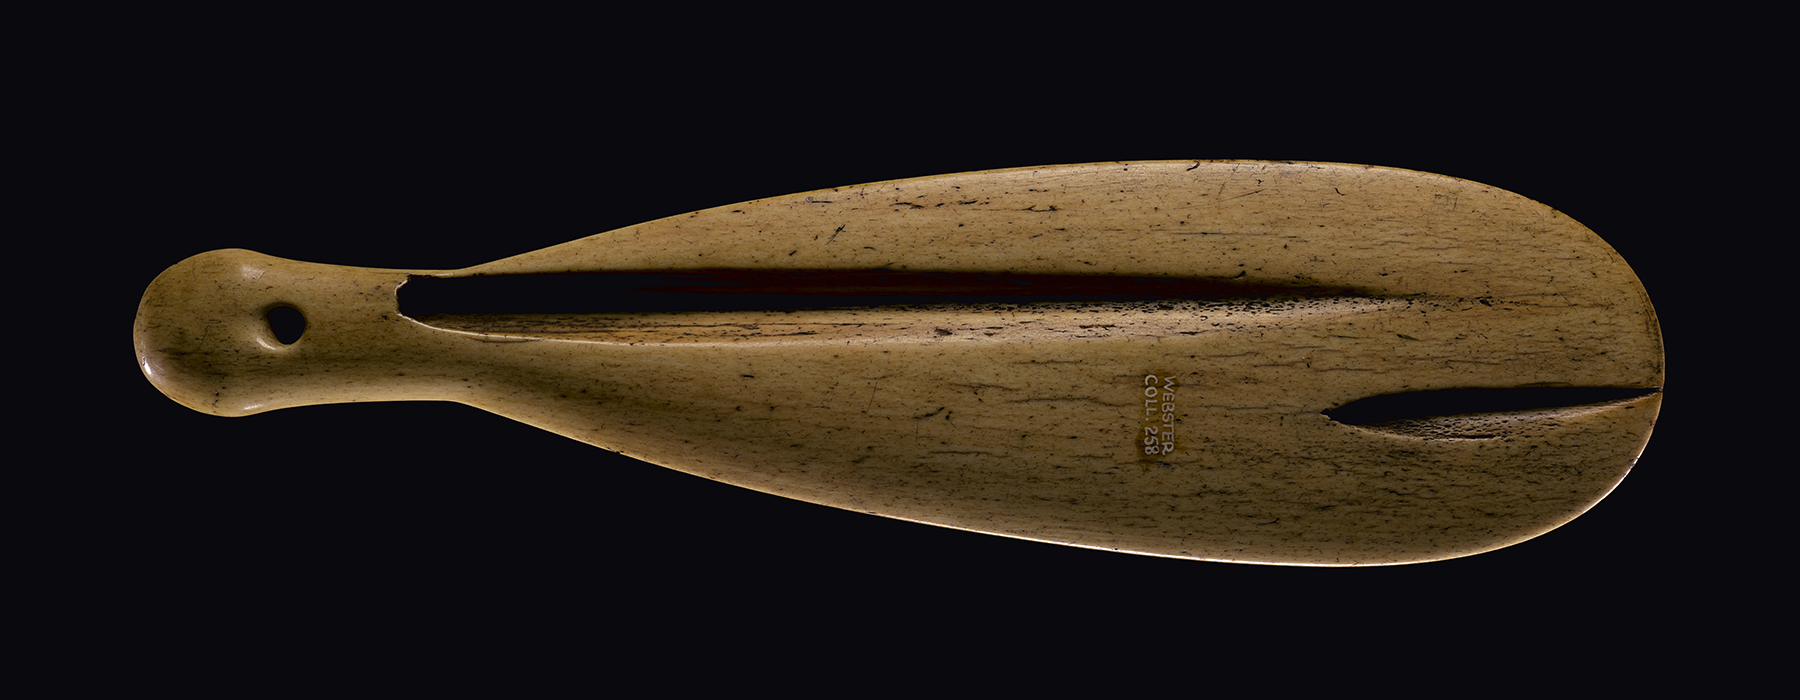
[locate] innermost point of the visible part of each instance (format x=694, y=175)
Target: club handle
x=204, y=337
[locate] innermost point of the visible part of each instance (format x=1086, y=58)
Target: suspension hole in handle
x=286, y=323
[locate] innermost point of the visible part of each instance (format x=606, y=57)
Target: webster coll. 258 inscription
x=1159, y=415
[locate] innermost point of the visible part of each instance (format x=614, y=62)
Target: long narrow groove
x=1447, y=403
x=796, y=290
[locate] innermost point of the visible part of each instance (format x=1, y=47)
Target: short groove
x=1473, y=414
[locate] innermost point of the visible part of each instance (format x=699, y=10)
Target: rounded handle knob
x=211, y=334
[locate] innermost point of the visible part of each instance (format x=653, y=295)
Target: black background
x=438, y=525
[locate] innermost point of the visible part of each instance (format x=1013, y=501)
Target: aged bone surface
x=1192, y=426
